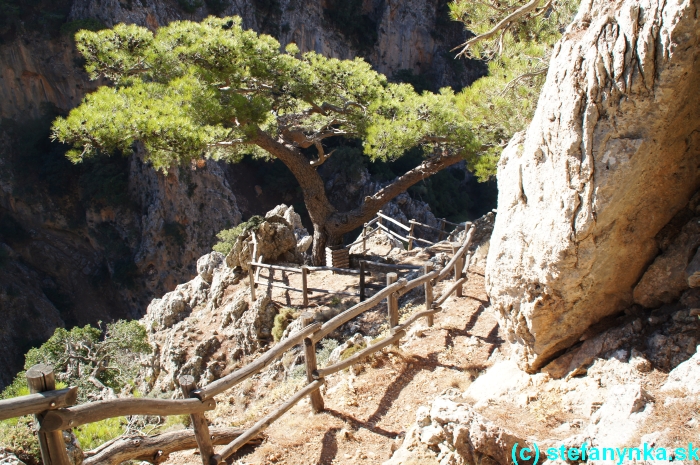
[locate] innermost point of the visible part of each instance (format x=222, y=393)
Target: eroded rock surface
x=612, y=154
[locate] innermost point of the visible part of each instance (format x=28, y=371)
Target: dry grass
x=676, y=415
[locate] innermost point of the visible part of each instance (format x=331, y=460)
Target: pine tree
x=213, y=90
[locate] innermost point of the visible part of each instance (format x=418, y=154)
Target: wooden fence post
x=40, y=378
x=199, y=423
x=362, y=280
x=392, y=303
x=458, y=274
x=410, y=235
x=251, y=278
x=304, y=287
x=310, y=359
x=427, y=268
x=442, y=229
x=364, y=238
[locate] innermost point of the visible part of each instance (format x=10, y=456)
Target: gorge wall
x=98, y=241
x=612, y=154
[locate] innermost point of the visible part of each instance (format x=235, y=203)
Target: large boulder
x=611, y=155
x=280, y=236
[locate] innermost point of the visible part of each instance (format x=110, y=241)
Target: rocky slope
x=610, y=157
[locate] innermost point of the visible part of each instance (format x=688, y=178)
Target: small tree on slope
x=211, y=89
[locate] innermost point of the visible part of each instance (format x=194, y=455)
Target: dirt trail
x=368, y=408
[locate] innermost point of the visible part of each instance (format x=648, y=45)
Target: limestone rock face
x=611, y=155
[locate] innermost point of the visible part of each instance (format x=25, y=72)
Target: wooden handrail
x=369, y=234
x=323, y=372
x=467, y=241
x=390, y=266
x=227, y=382
x=267, y=421
x=392, y=233
x=71, y=417
x=335, y=322
x=398, y=223
x=332, y=268
x=417, y=282
x=276, y=267
x=148, y=448
x=448, y=292
x=422, y=240
x=34, y=404
x=423, y=225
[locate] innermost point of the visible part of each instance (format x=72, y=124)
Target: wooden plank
x=331, y=325
x=441, y=300
x=199, y=423
x=220, y=385
x=458, y=274
x=34, y=404
x=389, y=266
x=281, y=286
x=362, y=280
x=40, y=378
x=374, y=286
x=304, y=286
x=372, y=221
x=397, y=223
x=392, y=303
x=417, y=316
x=331, y=268
x=450, y=265
x=348, y=362
x=276, y=267
x=422, y=240
x=392, y=233
x=96, y=411
x=426, y=226
x=149, y=448
x=311, y=364
x=267, y=421
x=251, y=279
x=428, y=286
x=328, y=291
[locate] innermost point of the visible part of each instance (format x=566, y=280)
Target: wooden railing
x=55, y=411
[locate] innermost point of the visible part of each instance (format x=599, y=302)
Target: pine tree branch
x=504, y=24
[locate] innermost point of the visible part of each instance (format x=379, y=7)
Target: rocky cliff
x=612, y=154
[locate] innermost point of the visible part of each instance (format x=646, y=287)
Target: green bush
x=17, y=435
x=76, y=352
x=227, y=237
x=282, y=320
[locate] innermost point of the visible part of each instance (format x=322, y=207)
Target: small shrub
x=17, y=435
x=282, y=320
x=92, y=435
x=324, y=353
x=227, y=237
x=350, y=351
